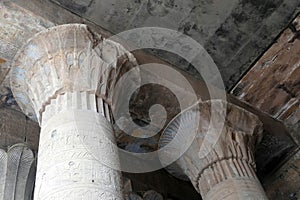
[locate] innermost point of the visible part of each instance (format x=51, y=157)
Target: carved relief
x=17, y=167
x=218, y=158
x=77, y=152
x=66, y=58
x=66, y=75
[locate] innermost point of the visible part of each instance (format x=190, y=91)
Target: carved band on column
x=222, y=167
x=64, y=77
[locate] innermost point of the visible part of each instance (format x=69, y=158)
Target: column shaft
x=230, y=179
x=56, y=78
x=74, y=145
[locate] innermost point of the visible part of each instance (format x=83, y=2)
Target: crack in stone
x=96, y=39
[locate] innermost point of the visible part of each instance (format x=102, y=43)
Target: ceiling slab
x=234, y=32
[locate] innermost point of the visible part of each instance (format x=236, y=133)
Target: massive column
x=64, y=77
x=220, y=164
x=17, y=168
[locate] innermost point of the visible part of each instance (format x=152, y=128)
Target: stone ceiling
x=234, y=32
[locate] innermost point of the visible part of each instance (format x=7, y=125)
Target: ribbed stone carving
x=66, y=58
x=17, y=168
x=65, y=76
x=220, y=164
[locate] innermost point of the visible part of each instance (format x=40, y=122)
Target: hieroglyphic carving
x=63, y=59
x=17, y=167
x=65, y=77
x=227, y=162
x=76, y=154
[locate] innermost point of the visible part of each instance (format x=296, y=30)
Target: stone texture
x=220, y=164
x=66, y=76
x=272, y=84
x=77, y=64
x=20, y=21
x=44, y=14
x=44, y=11
x=17, y=168
x=234, y=32
x=17, y=25
x=77, y=159
x=15, y=127
x=274, y=77
x=284, y=182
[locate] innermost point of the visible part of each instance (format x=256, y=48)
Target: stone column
x=17, y=168
x=64, y=77
x=220, y=164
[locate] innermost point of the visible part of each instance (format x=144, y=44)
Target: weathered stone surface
x=81, y=63
x=284, y=183
x=274, y=148
x=233, y=32
x=15, y=127
x=66, y=76
x=220, y=162
x=17, y=25
x=46, y=11
x=20, y=20
x=17, y=173
x=57, y=15
x=272, y=85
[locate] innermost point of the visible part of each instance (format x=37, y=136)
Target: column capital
x=211, y=149
x=66, y=58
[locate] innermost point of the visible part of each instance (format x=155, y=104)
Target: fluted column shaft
x=17, y=167
x=230, y=179
x=74, y=143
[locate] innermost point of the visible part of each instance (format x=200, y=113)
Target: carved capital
x=66, y=58
x=216, y=154
x=17, y=173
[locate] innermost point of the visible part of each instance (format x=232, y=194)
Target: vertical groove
x=15, y=166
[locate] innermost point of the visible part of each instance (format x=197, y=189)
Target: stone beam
x=276, y=92
x=276, y=87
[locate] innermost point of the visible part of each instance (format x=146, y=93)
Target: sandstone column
x=220, y=165
x=17, y=168
x=64, y=77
